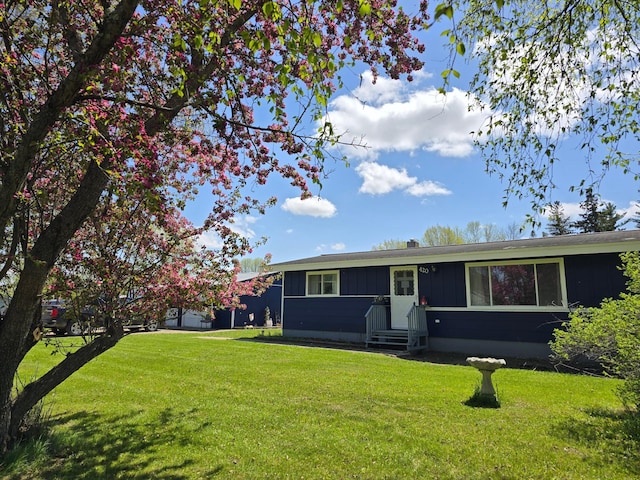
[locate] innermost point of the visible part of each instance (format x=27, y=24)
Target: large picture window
x=322, y=283
x=523, y=284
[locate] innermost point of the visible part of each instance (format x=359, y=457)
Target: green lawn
x=197, y=406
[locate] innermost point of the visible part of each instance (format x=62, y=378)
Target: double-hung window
x=323, y=283
x=526, y=283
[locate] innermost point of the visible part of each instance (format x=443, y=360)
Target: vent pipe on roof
x=412, y=243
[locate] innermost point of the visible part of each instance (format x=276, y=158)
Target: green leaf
x=267, y=9
x=443, y=9
x=365, y=8
x=460, y=48
x=317, y=39
x=197, y=42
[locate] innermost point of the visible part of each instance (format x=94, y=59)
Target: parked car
x=62, y=320
x=59, y=318
x=139, y=323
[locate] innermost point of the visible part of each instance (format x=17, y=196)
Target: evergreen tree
x=559, y=223
x=598, y=216
x=610, y=219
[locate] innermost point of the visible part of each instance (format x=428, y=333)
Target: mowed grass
x=197, y=406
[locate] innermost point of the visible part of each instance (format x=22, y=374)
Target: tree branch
x=16, y=173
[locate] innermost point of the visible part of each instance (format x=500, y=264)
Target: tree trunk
x=18, y=336
x=38, y=389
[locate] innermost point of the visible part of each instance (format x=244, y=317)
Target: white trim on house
x=531, y=248
x=322, y=274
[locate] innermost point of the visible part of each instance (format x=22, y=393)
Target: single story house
x=498, y=298
x=253, y=315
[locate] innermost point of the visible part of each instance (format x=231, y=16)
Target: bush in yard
x=609, y=334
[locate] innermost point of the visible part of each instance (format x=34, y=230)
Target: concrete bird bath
x=486, y=366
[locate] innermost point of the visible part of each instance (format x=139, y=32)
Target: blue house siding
x=372, y=281
x=532, y=327
x=294, y=284
x=354, y=281
x=588, y=278
x=444, y=287
x=271, y=298
x=334, y=314
x=591, y=278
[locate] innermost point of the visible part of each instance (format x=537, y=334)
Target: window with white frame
x=526, y=283
x=323, y=283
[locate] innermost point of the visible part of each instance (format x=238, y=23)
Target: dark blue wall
x=495, y=325
x=294, y=284
x=591, y=278
x=271, y=298
x=332, y=314
x=443, y=286
x=365, y=281
x=353, y=281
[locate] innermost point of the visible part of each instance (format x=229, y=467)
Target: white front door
x=404, y=293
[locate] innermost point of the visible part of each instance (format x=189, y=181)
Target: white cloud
x=336, y=247
x=630, y=211
x=573, y=95
x=380, y=179
x=571, y=210
x=313, y=207
x=427, y=188
x=385, y=117
x=240, y=225
x=209, y=240
x=383, y=91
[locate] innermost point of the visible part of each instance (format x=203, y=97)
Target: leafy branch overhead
x=555, y=77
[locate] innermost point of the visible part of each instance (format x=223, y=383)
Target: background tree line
x=596, y=216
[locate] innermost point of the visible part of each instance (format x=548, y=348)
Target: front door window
x=403, y=283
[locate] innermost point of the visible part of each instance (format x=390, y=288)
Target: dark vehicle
x=62, y=320
x=57, y=317
x=139, y=323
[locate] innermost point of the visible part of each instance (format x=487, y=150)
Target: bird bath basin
x=486, y=366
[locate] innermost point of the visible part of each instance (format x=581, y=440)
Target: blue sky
x=420, y=170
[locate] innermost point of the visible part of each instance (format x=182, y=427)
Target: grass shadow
x=118, y=446
x=615, y=433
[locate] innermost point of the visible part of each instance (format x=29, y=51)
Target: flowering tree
x=115, y=113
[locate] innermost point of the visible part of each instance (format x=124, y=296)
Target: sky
x=420, y=169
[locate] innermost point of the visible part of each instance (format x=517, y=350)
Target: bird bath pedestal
x=486, y=366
